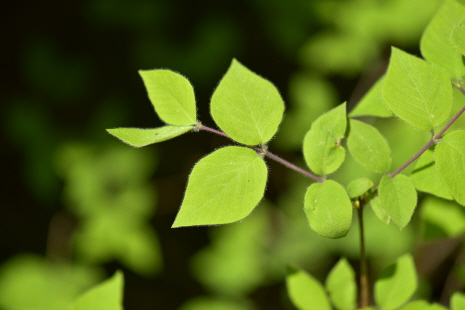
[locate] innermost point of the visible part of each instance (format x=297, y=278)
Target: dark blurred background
x=69, y=70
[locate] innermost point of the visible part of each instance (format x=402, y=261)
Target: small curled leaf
x=322, y=150
x=358, y=187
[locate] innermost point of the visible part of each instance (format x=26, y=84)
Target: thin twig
x=291, y=166
x=364, y=288
x=432, y=141
x=411, y=160
x=267, y=154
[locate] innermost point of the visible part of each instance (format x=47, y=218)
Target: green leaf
x=223, y=187
x=322, y=149
x=328, y=209
x=375, y=204
x=396, y=284
x=458, y=37
x=368, y=147
x=306, y=292
x=450, y=163
x=422, y=305
x=139, y=137
x=398, y=198
x=436, y=45
x=417, y=92
x=358, y=187
x=171, y=95
x=105, y=296
x=341, y=286
x=457, y=301
x=426, y=178
x=246, y=106
x=372, y=103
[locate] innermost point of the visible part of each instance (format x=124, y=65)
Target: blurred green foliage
x=107, y=189
x=30, y=282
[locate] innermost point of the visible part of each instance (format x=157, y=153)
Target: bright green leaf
x=171, y=95
x=328, y=209
x=246, y=106
x=426, y=178
x=372, y=103
x=223, y=187
x=375, y=204
x=306, y=292
x=396, y=284
x=368, y=147
x=105, y=296
x=341, y=286
x=139, y=137
x=417, y=92
x=450, y=163
x=458, y=37
x=398, y=198
x=322, y=149
x=457, y=301
x=445, y=215
x=436, y=45
x=358, y=187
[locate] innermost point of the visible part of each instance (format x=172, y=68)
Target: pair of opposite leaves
x=246, y=107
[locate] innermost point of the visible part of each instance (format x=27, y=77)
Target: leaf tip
x=235, y=61
x=175, y=225
x=143, y=72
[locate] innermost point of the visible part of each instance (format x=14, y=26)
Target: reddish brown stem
x=267, y=154
x=364, y=285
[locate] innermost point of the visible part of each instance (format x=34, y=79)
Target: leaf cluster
x=226, y=185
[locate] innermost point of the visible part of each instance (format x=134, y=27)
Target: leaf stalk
x=433, y=140
x=267, y=154
x=364, y=287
